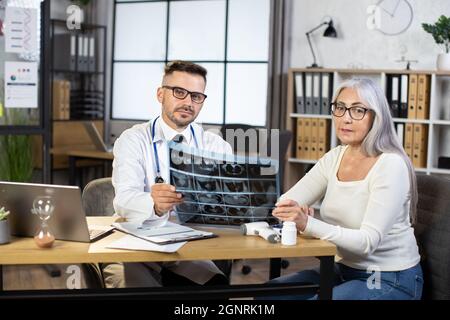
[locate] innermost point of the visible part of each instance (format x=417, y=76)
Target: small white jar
x=289, y=234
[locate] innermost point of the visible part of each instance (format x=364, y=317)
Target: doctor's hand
x=290, y=210
x=164, y=198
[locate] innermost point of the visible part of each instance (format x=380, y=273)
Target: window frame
x=223, y=62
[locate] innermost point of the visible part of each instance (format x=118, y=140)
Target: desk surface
x=229, y=245
x=82, y=152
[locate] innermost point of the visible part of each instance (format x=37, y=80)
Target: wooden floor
x=37, y=277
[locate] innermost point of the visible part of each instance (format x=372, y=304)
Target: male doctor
x=141, y=176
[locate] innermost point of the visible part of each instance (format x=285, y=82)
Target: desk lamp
x=330, y=31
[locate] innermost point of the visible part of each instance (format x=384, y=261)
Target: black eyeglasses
x=181, y=93
x=338, y=109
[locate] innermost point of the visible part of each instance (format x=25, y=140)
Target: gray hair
x=382, y=137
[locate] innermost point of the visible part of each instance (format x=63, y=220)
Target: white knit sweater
x=368, y=220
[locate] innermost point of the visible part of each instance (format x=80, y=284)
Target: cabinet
x=309, y=101
x=77, y=82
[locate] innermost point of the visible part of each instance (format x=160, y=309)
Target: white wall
x=356, y=45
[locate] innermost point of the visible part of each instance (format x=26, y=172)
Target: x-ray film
x=223, y=189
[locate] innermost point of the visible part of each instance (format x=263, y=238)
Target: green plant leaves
x=440, y=31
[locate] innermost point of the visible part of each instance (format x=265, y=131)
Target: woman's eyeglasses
x=338, y=109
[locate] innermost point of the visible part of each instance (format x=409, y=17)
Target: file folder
x=65, y=52
x=403, y=110
x=409, y=140
x=307, y=138
x=86, y=53
x=80, y=51
x=412, y=96
x=323, y=137
x=66, y=100
x=314, y=138
x=394, y=101
x=423, y=96
x=400, y=128
x=309, y=93
x=299, y=93
x=58, y=100
x=420, y=145
x=299, y=153
x=91, y=58
x=325, y=96
x=316, y=93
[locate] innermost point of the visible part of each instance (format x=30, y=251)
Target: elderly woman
x=369, y=196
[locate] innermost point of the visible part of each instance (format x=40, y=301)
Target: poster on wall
x=21, y=84
x=20, y=29
x=223, y=189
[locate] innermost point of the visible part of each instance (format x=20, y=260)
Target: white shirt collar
x=167, y=133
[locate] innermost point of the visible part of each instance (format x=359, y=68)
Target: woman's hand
x=289, y=210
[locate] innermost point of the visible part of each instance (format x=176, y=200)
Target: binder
x=314, y=139
x=394, y=101
x=91, y=57
x=420, y=145
x=325, y=96
x=423, y=96
x=299, y=93
x=316, y=93
x=400, y=128
x=409, y=140
x=307, y=138
x=65, y=52
x=308, y=93
x=83, y=44
x=299, y=153
x=323, y=137
x=58, y=100
x=66, y=100
x=86, y=53
x=412, y=96
x=403, y=110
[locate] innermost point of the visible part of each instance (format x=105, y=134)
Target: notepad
x=168, y=233
x=129, y=242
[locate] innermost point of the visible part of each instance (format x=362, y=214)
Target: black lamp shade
x=330, y=31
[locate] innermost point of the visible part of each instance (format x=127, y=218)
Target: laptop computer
x=96, y=138
x=68, y=220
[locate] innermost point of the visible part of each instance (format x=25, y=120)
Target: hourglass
x=43, y=207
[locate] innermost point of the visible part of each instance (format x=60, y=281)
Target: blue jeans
x=355, y=284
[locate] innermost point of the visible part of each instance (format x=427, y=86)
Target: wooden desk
x=80, y=152
x=230, y=244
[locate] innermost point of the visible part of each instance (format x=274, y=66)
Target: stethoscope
x=158, y=178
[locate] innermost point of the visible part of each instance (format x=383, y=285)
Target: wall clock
x=390, y=17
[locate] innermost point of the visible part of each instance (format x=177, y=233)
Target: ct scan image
x=223, y=189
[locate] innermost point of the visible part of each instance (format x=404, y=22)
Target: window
x=220, y=35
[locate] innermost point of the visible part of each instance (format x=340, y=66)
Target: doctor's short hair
x=185, y=66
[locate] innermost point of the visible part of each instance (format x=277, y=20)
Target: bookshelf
x=77, y=84
x=437, y=121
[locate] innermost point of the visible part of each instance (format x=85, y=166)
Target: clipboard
x=166, y=234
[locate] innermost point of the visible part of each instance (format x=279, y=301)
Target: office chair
x=97, y=199
x=432, y=231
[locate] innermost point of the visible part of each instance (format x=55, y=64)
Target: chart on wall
x=223, y=189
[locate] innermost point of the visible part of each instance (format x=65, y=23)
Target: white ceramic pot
x=443, y=61
x=5, y=233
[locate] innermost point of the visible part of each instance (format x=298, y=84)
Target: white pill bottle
x=289, y=234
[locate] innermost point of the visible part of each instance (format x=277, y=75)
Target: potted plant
x=440, y=31
x=5, y=234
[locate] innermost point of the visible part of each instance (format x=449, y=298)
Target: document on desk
x=129, y=242
x=165, y=234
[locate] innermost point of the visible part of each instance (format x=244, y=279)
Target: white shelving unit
x=438, y=122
